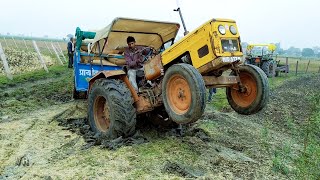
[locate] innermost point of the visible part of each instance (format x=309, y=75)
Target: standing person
x=212, y=91
x=70, y=52
x=134, y=59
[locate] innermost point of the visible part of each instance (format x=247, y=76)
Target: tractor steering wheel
x=149, y=54
x=146, y=57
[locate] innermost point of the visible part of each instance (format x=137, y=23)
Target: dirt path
x=35, y=145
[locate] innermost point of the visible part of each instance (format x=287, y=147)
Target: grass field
x=280, y=142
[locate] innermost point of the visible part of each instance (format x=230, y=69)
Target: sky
x=290, y=22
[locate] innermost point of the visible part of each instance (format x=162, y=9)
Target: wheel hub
x=246, y=92
x=101, y=114
x=179, y=94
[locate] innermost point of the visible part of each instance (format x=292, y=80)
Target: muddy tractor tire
x=267, y=68
x=184, y=93
x=255, y=94
x=110, y=109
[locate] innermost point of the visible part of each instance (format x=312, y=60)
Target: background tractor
x=261, y=55
x=209, y=56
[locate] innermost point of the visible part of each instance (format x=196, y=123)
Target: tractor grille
x=230, y=45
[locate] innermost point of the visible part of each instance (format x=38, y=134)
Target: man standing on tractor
x=70, y=52
x=135, y=57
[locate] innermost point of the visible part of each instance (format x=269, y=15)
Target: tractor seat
x=104, y=62
x=117, y=59
x=111, y=60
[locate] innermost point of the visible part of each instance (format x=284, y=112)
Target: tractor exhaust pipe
x=181, y=17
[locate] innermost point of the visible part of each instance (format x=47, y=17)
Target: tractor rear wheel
x=184, y=93
x=111, y=110
x=267, y=67
x=254, y=94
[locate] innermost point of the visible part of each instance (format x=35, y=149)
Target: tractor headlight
x=222, y=29
x=233, y=30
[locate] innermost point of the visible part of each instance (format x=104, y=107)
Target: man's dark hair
x=130, y=39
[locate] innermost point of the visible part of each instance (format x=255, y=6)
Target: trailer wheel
x=255, y=95
x=110, y=109
x=184, y=93
x=267, y=67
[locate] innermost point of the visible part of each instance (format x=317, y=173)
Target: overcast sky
x=290, y=22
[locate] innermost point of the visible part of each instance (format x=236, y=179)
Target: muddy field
x=44, y=135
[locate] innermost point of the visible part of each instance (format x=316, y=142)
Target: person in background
x=70, y=52
x=212, y=91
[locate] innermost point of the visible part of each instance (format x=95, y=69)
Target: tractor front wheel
x=268, y=68
x=184, y=93
x=253, y=94
x=111, y=110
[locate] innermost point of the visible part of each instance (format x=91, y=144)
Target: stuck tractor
x=173, y=82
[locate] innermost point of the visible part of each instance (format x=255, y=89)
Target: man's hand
x=154, y=51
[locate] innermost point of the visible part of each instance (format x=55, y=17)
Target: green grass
x=208, y=127
x=278, y=81
x=281, y=159
x=304, y=162
x=55, y=88
x=308, y=161
x=220, y=101
x=36, y=97
x=161, y=151
x=54, y=71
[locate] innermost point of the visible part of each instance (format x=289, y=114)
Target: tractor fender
x=115, y=74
